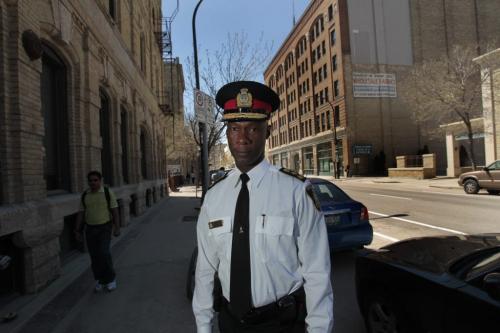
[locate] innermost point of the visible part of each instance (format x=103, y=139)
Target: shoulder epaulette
x=219, y=180
x=293, y=174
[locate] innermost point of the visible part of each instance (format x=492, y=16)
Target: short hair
x=94, y=173
x=221, y=168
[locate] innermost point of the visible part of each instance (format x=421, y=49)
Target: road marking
x=392, y=239
x=444, y=193
x=390, y=196
x=420, y=223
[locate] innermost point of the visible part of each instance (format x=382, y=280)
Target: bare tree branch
x=448, y=90
x=236, y=59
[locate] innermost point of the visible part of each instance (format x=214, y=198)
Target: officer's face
x=247, y=140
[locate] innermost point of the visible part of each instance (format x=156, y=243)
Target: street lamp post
x=336, y=169
x=202, y=126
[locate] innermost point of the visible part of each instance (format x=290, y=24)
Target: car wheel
x=493, y=192
x=190, y=281
x=471, y=186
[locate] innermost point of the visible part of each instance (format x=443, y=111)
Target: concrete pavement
x=438, y=182
x=150, y=258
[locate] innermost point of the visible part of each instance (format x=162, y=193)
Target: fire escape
x=164, y=41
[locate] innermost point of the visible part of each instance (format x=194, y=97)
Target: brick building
x=181, y=147
x=92, y=100
x=340, y=75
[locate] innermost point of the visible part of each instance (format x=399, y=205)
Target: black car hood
x=435, y=254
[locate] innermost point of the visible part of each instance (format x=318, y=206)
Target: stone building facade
x=92, y=100
x=490, y=64
x=340, y=75
x=181, y=147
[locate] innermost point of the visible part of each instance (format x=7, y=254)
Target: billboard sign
x=374, y=85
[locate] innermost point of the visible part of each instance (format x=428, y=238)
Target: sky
x=217, y=18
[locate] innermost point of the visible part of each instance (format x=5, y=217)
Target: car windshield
x=327, y=192
x=494, y=166
x=485, y=264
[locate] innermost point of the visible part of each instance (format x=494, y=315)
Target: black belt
x=289, y=303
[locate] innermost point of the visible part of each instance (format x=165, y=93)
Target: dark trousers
x=98, y=243
x=287, y=321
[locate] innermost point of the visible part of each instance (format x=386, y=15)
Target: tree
x=446, y=90
x=236, y=59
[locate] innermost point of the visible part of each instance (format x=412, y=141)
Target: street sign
x=204, y=107
x=362, y=149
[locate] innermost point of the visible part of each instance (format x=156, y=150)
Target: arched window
x=105, y=132
x=143, y=53
x=112, y=9
x=124, y=142
x=54, y=110
x=144, y=164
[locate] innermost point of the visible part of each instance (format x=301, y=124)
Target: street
x=152, y=256
x=399, y=210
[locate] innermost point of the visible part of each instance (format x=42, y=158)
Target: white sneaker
x=98, y=287
x=111, y=286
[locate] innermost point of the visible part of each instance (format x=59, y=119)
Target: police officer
x=260, y=231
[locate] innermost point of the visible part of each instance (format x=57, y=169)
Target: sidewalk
x=438, y=182
x=151, y=260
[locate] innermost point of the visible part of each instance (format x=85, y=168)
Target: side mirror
x=486, y=169
x=491, y=284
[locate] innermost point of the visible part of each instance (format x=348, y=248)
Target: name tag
x=215, y=224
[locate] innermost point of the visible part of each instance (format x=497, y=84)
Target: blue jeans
x=98, y=243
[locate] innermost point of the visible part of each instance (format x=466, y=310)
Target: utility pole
x=202, y=126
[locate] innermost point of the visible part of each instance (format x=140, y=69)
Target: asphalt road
x=400, y=211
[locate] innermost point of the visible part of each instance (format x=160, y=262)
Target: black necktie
x=240, y=284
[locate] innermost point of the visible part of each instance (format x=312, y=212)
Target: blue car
x=347, y=220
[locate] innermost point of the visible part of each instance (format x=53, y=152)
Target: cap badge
x=244, y=99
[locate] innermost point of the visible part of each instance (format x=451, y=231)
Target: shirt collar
x=256, y=174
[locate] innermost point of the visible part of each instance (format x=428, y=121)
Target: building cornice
x=285, y=46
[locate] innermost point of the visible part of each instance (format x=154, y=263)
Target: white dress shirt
x=288, y=245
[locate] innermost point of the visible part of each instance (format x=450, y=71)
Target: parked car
x=431, y=284
x=488, y=178
x=347, y=220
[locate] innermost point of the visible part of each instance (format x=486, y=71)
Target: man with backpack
x=99, y=211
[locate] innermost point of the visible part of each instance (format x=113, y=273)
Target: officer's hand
x=116, y=231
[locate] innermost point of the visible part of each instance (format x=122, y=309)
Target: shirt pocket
x=274, y=239
x=222, y=236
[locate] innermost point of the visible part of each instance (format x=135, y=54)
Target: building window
x=334, y=63
x=325, y=158
x=144, y=164
x=323, y=122
x=105, y=132
x=112, y=9
x=328, y=122
x=335, y=88
x=124, y=143
x=333, y=37
x=56, y=166
x=330, y=13
x=336, y=117
x=308, y=158
x=316, y=124
x=143, y=53
x=325, y=72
